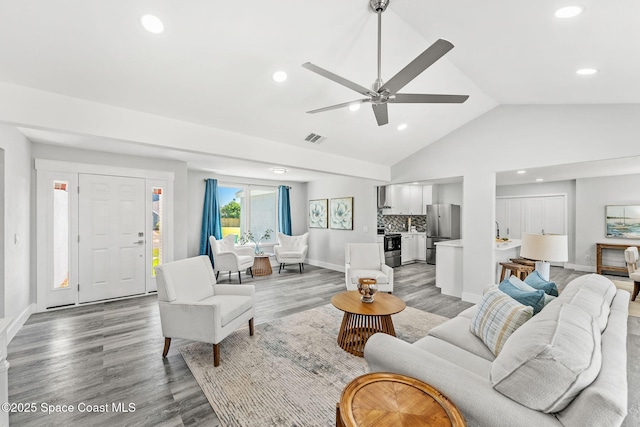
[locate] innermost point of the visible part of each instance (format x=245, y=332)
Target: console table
x=617, y=246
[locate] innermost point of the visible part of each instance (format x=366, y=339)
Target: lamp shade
x=545, y=247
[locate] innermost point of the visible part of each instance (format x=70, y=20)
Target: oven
x=393, y=249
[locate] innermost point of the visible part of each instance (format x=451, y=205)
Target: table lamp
x=544, y=248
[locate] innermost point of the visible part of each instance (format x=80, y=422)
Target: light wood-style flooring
x=111, y=352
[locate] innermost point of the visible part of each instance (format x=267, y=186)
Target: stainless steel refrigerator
x=443, y=223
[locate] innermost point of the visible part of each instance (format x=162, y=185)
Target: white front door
x=111, y=237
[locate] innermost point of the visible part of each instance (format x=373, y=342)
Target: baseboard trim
x=578, y=267
x=19, y=321
x=327, y=265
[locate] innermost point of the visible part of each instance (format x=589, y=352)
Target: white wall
x=196, y=187
x=550, y=188
x=448, y=193
x=17, y=294
x=326, y=246
x=516, y=137
x=592, y=195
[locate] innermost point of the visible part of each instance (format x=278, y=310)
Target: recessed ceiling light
x=569, y=11
x=415, y=183
x=279, y=76
x=521, y=172
x=539, y=179
x=586, y=71
x=402, y=126
x=279, y=170
x=354, y=107
x=152, y=23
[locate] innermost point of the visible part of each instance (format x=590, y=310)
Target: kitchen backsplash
x=398, y=223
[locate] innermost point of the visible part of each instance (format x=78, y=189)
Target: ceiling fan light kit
x=382, y=93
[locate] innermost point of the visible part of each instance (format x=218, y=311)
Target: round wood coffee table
x=362, y=320
x=384, y=399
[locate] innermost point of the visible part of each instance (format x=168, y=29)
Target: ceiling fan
x=382, y=93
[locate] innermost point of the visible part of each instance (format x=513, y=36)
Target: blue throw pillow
x=533, y=299
x=536, y=281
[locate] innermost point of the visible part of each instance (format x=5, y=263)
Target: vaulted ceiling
x=212, y=65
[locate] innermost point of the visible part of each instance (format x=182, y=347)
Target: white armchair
x=229, y=257
x=291, y=250
x=631, y=257
x=194, y=307
x=366, y=260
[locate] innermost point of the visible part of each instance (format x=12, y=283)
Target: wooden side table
x=262, y=265
x=383, y=399
x=361, y=320
x=617, y=246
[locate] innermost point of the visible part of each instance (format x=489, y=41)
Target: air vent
x=314, y=138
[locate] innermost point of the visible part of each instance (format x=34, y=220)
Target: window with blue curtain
x=284, y=210
x=211, y=225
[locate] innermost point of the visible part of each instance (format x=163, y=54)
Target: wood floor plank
x=111, y=352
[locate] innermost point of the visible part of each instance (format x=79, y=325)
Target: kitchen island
x=449, y=256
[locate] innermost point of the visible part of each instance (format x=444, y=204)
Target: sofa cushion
x=453, y=353
x=380, y=277
x=550, y=359
x=534, y=298
x=457, y=332
x=515, y=281
x=594, y=304
x=535, y=280
x=498, y=316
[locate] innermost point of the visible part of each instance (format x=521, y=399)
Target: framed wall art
x=622, y=221
x=318, y=213
x=341, y=213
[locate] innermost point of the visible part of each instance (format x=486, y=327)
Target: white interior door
x=112, y=237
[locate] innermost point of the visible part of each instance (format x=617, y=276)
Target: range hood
x=382, y=198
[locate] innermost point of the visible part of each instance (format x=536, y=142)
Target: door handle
x=139, y=242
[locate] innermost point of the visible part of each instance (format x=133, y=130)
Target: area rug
x=634, y=306
x=291, y=372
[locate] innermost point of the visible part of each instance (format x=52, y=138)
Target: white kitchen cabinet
x=421, y=243
x=543, y=214
x=404, y=200
x=408, y=249
x=416, y=200
x=414, y=247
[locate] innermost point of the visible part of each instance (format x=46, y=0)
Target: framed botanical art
x=341, y=213
x=622, y=221
x=318, y=213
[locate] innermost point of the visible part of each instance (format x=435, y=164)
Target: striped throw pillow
x=497, y=317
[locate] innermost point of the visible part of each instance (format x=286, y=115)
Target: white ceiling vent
x=314, y=138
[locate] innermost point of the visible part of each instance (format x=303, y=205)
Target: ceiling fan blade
x=411, y=98
x=336, y=78
x=417, y=66
x=333, y=107
x=382, y=114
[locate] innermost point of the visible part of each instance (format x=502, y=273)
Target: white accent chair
x=366, y=260
x=291, y=250
x=229, y=257
x=194, y=307
x=632, y=258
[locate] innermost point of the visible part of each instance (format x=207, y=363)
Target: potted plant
x=249, y=237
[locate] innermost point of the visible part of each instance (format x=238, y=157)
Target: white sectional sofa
x=544, y=374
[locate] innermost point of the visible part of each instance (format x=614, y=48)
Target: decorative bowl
x=367, y=287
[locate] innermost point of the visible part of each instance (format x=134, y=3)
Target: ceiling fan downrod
x=379, y=6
